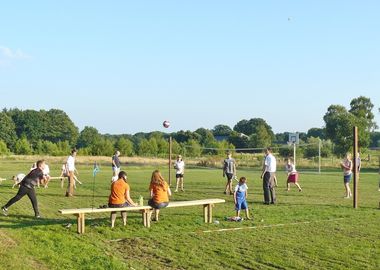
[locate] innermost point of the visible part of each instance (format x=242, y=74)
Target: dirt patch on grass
x=6, y=242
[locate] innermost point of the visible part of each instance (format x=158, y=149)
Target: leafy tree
x=316, y=133
x=125, y=146
x=260, y=132
x=7, y=130
x=192, y=148
x=184, y=136
x=176, y=148
x=362, y=107
x=238, y=140
x=340, y=123
x=375, y=139
x=87, y=137
x=102, y=147
x=3, y=148
x=60, y=127
x=23, y=147
x=221, y=130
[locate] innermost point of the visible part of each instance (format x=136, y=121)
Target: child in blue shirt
x=240, y=197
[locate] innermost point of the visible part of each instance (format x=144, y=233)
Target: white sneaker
x=5, y=211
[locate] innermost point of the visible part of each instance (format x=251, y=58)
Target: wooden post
x=170, y=160
x=205, y=212
x=209, y=213
x=81, y=223
x=356, y=175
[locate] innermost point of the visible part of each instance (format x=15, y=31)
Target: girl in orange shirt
x=159, y=193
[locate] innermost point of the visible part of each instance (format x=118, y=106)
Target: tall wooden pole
x=356, y=175
x=170, y=160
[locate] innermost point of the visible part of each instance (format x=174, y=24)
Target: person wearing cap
x=179, y=165
x=120, y=197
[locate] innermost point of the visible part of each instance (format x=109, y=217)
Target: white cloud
x=8, y=53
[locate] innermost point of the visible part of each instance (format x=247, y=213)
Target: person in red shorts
x=292, y=175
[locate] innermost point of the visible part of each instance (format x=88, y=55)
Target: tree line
x=52, y=132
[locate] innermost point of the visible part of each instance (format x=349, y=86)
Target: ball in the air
x=166, y=124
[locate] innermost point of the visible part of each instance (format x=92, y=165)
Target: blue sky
x=126, y=66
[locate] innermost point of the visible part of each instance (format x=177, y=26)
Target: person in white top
x=179, y=165
x=70, y=167
x=268, y=175
x=46, y=179
x=292, y=174
x=346, y=165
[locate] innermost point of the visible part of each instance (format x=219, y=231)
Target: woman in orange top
x=159, y=193
x=120, y=197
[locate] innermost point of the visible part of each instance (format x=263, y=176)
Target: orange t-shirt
x=118, y=190
x=160, y=193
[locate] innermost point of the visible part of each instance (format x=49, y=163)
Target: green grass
x=330, y=234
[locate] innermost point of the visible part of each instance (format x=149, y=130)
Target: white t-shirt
x=70, y=163
x=46, y=170
x=290, y=168
x=270, y=163
x=241, y=188
x=179, y=166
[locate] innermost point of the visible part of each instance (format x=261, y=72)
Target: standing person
x=116, y=165
x=179, y=165
x=346, y=165
x=120, y=197
x=159, y=193
x=70, y=165
x=240, y=197
x=292, y=175
x=229, y=171
x=268, y=176
x=27, y=188
x=46, y=172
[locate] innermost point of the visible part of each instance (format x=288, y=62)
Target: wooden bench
x=145, y=210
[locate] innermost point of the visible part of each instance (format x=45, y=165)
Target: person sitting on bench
x=120, y=197
x=159, y=192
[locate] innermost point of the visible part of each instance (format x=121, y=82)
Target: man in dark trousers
x=27, y=188
x=268, y=176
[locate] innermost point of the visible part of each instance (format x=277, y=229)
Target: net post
x=356, y=175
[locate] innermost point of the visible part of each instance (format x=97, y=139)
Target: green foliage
x=53, y=125
x=23, y=147
x=316, y=133
x=375, y=139
x=192, y=148
x=221, y=130
x=102, y=147
x=87, y=137
x=7, y=130
x=3, y=148
x=238, y=140
x=259, y=132
x=125, y=146
x=340, y=123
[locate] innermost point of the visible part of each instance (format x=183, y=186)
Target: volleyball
x=166, y=124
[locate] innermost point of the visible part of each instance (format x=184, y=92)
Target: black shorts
x=229, y=176
x=179, y=175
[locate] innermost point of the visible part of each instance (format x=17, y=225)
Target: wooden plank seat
x=145, y=210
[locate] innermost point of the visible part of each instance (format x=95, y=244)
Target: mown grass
x=313, y=229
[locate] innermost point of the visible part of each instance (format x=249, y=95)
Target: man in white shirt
x=268, y=176
x=70, y=165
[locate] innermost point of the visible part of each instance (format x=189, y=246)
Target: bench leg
x=81, y=223
x=209, y=213
x=146, y=214
x=205, y=212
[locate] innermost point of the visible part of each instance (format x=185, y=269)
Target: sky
x=126, y=66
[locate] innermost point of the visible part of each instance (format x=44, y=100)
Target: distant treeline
x=53, y=133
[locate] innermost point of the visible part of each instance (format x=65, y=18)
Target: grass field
x=313, y=229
